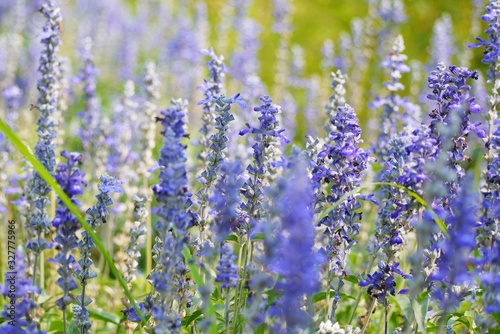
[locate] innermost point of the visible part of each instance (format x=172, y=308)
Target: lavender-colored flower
x=138, y=230
x=47, y=103
x=151, y=85
x=128, y=50
x=390, y=14
x=492, y=44
x=182, y=53
x=263, y=153
x=340, y=166
x=145, y=308
x=212, y=88
x=216, y=154
x=450, y=120
x=19, y=291
x=392, y=11
x=169, y=276
x=227, y=274
x=343, y=61
x=328, y=55
x=93, y=130
x=443, y=46
x=289, y=103
x=12, y=96
x=95, y=216
x=244, y=61
x=72, y=182
x=226, y=200
x=123, y=134
x=337, y=99
x=450, y=91
x=283, y=10
x=294, y=259
x=381, y=283
x=396, y=206
x=490, y=279
x=397, y=111
x=456, y=250
x=297, y=67
x=488, y=230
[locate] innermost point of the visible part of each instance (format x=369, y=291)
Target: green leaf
x=432, y=328
x=321, y=296
x=104, y=316
x=351, y=278
x=336, y=204
x=43, y=297
x=258, y=237
x=72, y=328
x=420, y=306
x=40, y=169
x=413, y=194
x=346, y=296
x=232, y=237
x=196, y=314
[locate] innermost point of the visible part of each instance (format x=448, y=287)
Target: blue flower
x=72, y=182
x=263, y=150
x=453, y=264
x=216, y=154
x=227, y=274
x=169, y=275
x=212, y=88
x=397, y=111
x=226, y=200
x=292, y=255
x=47, y=104
x=95, y=216
x=381, y=283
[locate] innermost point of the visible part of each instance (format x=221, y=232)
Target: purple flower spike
x=381, y=283
x=264, y=153
x=72, y=182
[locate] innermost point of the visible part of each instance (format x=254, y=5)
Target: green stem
x=240, y=287
x=386, y=318
x=64, y=320
x=328, y=284
x=369, y=315
x=358, y=297
x=226, y=315
x=37, y=165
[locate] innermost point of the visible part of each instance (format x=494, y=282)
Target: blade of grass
x=420, y=200
x=439, y=222
x=26, y=152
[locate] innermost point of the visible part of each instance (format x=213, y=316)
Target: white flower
x=329, y=328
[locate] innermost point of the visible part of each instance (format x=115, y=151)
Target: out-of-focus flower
x=72, y=182
x=263, y=153
x=169, y=275
x=96, y=215
x=294, y=258
x=227, y=274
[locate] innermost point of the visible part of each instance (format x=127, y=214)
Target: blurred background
x=284, y=48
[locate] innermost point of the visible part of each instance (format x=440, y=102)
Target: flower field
x=228, y=167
